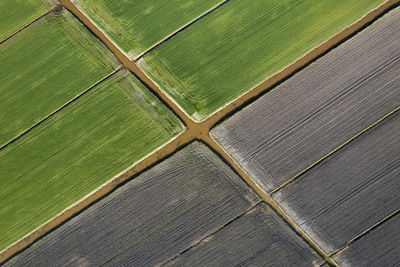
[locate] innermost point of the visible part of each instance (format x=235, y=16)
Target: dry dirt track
x=319, y=108
x=326, y=142
x=194, y=131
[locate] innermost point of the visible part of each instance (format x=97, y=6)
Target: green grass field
x=231, y=50
x=43, y=67
x=136, y=25
x=117, y=121
x=17, y=13
x=77, y=150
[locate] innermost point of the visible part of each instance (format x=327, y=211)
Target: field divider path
x=126, y=62
x=332, y=152
x=48, y=116
x=194, y=130
x=98, y=193
x=299, y=64
x=265, y=196
x=30, y=23
x=180, y=29
x=372, y=228
x=199, y=241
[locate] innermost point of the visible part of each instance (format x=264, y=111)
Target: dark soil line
x=29, y=24
x=328, y=155
x=201, y=240
x=196, y=131
x=154, y=158
x=366, y=232
x=180, y=29
x=126, y=62
x=57, y=110
x=103, y=191
x=265, y=196
x=281, y=76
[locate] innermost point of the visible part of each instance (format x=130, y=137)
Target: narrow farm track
x=97, y=194
x=194, y=131
x=265, y=196
x=252, y=208
x=28, y=24
x=335, y=150
x=126, y=62
x=300, y=63
x=58, y=110
x=387, y=232
x=180, y=29
x=385, y=220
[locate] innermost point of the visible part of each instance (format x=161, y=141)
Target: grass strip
x=77, y=150
x=240, y=44
x=44, y=66
x=135, y=26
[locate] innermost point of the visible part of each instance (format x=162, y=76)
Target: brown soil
x=194, y=131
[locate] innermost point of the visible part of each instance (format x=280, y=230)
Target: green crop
x=242, y=43
x=17, y=13
x=137, y=25
x=43, y=67
x=77, y=150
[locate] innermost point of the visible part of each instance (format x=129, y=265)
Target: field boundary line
x=51, y=114
x=366, y=232
x=30, y=23
x=94, y=196
x=332, y=152
x=194, y=130
x=265, y=196
x=299, y=64
x=213, y=232
x=126, y=62
x=180, y=29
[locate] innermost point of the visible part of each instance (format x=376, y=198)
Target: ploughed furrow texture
x=379, y=247
x=77, y=150
x=150, y=219
x=319, y=108
x=240, y=44
x=137, y=25
x=17, y=13
x=44, y=66
x=350, y=191
x=258, y=238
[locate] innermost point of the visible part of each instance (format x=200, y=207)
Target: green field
x=43, y=67
x=136, y=25
x=81, y=147
x=17, y=13
x=240, y=44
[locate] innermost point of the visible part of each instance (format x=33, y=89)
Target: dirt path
x=195, y=131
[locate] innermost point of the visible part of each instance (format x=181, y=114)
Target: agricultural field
x=77, y=150
x=353, y=189
x=365, y=252
x=54, y=52
x=192, y=133
x=241, y=44
x=175, y=203
x=341, y=116
x=255, y=238
x=18, y=13
x=135, y=26
x=326, y=104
